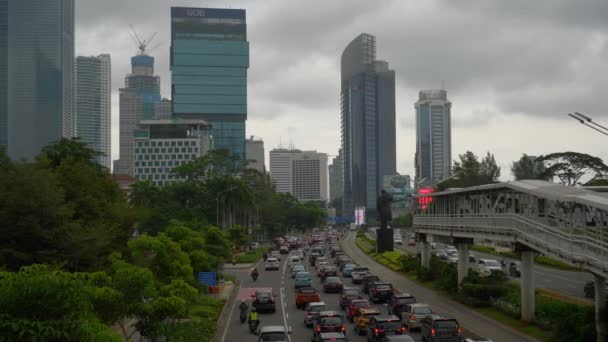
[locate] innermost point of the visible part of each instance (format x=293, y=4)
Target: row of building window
x=159, y=163
x=165, y=143
x=166, y=156
x=167, y=150
x=154, y=170
x=157, y=176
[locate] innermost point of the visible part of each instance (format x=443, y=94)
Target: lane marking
x=283, y=305
x=230, y=317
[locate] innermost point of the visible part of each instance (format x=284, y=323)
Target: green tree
x=403, y=221
x=162, y=256
x=238, y=236
x=570, y=167
x=597, y=182
x=470, y=171
x=66, y=149
x=528, y=167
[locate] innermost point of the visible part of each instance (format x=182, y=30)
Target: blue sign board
x=207, y=278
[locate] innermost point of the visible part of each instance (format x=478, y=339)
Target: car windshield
x=361, y=304
x=384, y=286
x=274, y=336
x=308, y=291
x=492, y=263
x=406, y=300
x=302, y=275
x=422, y=310
x=371, y=314
x=389, y=325
x=333, y=280
x=349, y=293
x=360, y=269
x=446, y=324
x=336, y=320
x=317, y=308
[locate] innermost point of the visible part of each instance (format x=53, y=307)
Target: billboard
x=398, y=187
x=359, y=216
x=425, y=197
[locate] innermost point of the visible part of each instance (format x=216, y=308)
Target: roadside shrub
x=409, y=263
x=448, y=278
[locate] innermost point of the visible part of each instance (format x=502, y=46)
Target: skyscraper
x=336, y=182
x=433, y=137
x=36, y=75
x=138, y=101
x=367, y=123
x=93, y=105
x=300, y=173
x=209, y=62
x=255, y=154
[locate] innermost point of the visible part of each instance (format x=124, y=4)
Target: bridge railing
x=571, y=247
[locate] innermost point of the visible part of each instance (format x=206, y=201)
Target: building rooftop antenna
x=141, y=44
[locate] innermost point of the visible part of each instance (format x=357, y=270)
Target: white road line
x=283, y=305
x=229, y=317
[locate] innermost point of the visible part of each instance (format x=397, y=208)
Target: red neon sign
x=425, y=197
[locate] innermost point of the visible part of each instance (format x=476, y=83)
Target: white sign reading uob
x=195, y=12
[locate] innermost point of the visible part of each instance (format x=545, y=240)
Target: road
x=287, y=313
x=567, y=282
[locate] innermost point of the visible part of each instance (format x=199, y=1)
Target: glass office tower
x=209, y=62
x=367, y=124
x=37, y=74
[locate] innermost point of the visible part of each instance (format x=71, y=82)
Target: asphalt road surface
x=287, y=314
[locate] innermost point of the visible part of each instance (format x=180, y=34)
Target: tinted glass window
x=389, y=325
x=446, y=324
x=331, y=321
x=422, y=311
x=274, y=337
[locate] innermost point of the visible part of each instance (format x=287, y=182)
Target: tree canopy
x=528, y=167
x=570, y=167
x=470, y=171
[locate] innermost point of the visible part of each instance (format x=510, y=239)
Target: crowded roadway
x=330, y=306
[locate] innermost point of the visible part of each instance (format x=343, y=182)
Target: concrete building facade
x=367, y=123
x=433, y=137
x=255, y=154
x=36, y=74
x=336, y=181
x=209, y=62
x=162, y=145
x=94, y=105
x=300, y=173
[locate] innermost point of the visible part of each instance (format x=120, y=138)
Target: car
x=366, y=280
x=381, y=326
x=397, y=303
x=398, y=338
x=284, y=250
x=354, y=305
x=348, y=294
x=514, y=269
x=343, y=262
x=329, y=321
x=435, y=328
x=380, y=291
x=319, y=265
x=320, y=259
x=312, y=309
x=296, y=269
x=263, y=301
x=358, y=273
x=276, y=255
x=305, y=295
x=362, y=318
x=330, y=337
x=397, y=239
x=328, y=271
x=451, y=250
x=332, y=284
x=274, y=333
x=293, y=260
x=347, y=270
x=485, y=267
x=411, y=242
x=453, y=259
x=414, y=313
x=313, y=257
x=302, y=279
x=271, y=264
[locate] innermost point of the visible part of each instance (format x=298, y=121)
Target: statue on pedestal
x=384, y=236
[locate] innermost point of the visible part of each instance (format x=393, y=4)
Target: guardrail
x=576, y=249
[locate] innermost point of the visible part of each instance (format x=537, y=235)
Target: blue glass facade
x=37, y=74
x=209, y=62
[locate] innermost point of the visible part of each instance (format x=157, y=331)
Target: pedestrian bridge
x=568, y=223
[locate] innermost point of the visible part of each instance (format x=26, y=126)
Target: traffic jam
x=342, y=301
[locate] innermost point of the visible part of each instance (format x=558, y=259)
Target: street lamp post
x=217, y=205
x=585, y=120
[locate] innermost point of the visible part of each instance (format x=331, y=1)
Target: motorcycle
x=254, y=276
x=243, y=316
x=253, y=326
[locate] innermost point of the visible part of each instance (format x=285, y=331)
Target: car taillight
x=343, y=329
x=433, y=332
x=402, y=329
x=412, y=317
x=459, y=330
x=377, y=331
x=318, y=328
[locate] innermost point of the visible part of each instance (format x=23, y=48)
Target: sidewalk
x=469, y=318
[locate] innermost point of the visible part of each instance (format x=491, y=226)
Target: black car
x=330, y=337
x=348, y=294
x=332, y=284
x=397, y=303
x=381, y=326
x=263, y=301
x=380, y=291
x=329, y=321
x=514, y=270
x=313, y=258
x=368, y=279
x=328, y=271
x=441, y=329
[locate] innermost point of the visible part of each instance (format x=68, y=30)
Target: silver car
x=414, y=313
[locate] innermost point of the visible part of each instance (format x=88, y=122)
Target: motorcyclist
x=243, y=307
x=254, y=272
x=253, y=316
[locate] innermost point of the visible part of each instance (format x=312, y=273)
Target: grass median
x=250, y=257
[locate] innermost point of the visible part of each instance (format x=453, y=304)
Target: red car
x=305, y=295
x=354, y=305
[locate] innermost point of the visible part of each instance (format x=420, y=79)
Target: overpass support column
x=425, y=252
x=527, y=286
x=463, y=257
x=600, y=308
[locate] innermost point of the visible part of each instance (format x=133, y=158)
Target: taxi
x=362, y=318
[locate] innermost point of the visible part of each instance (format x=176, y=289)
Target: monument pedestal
x=384, y=240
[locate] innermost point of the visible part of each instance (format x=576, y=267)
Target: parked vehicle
x=305, y=295
x=263, y=301
x=312, y=309
x=348, y=294
x=414, y=313
x=271, y=264
x=380, y=291
x=435, y=328
x=397, y=303
x=381, y=326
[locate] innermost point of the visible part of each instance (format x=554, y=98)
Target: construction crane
x=141, y=44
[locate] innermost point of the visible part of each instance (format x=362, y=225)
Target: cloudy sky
x=513, y=69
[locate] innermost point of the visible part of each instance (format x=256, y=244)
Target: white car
x=486, y=266
x=271, y=264
x=398, y=240
x=294, y=259
x=451, y=250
